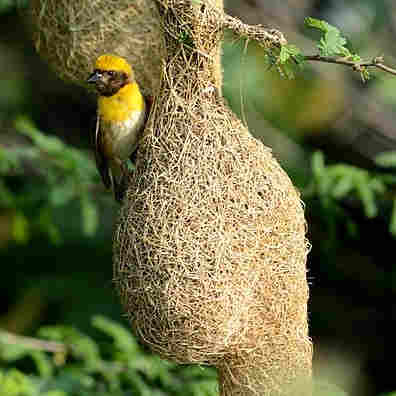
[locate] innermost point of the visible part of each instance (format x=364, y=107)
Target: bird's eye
x=111, y=73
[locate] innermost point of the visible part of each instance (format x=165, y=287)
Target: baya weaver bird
x=122, y=114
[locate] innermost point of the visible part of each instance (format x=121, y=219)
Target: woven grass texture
x=71, y=34
x=210, y=248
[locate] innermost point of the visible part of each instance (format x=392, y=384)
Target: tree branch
x=274, y=38
x=265, y=37
x=31, y=343
x=357, y=66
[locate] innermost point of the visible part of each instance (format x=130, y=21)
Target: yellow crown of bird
x=113, y=62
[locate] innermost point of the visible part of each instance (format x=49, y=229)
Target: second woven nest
x=71, y=34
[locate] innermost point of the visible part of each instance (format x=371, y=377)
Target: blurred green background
x=326, y=127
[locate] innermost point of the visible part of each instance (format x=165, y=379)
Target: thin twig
x=31, y=343
x=385, y=68
x=265, y=37
x=358, y=66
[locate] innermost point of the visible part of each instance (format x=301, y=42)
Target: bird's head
x=110, y=74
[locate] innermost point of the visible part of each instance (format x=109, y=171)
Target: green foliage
x=54, y=175
x=332, y=184
x=7, y=5
x=288, y=59
x=330, y=45
x=115, y=366
x=386, y=159
x=289, y=50
x=333, y=44
x=15, y=352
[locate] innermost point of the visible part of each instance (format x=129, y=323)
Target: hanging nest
x=71, y=34
x=210, y=247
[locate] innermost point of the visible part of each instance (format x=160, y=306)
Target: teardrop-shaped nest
x=210, y=248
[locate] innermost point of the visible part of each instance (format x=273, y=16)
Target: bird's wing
x=100, y=157
x=149, y=101
x=149, y=104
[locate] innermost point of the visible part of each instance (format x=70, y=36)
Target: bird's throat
x=120, y=106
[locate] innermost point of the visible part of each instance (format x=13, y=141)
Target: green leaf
x=20, y=229
x=334, y=182
x=316, y=23
x=7, y=161
x=7, y=198
x=323, y=179
x=364, y=73
x=5, y=5
x=123, y=339
x=74, y=377
x=43, y=363
x=288, y=51
x=62, y=193
x=49, y=144
x=82, y=346
x=392, y=224
x=55, y=393
x=11, y=352
x=386, y=159
x=139, y=386
x=376, y=184
x=90, y=216
x=332, y=43
x=366, y=194
x=15, y=383
x=47, y=225
x=318, y=164
x=343, y=186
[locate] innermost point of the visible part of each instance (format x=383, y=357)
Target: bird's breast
x=122, y=118
x=120, y=138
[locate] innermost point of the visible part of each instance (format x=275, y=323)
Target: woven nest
x=71, y=34
x=210, y=248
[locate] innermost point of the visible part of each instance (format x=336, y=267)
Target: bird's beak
x=94, y=77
